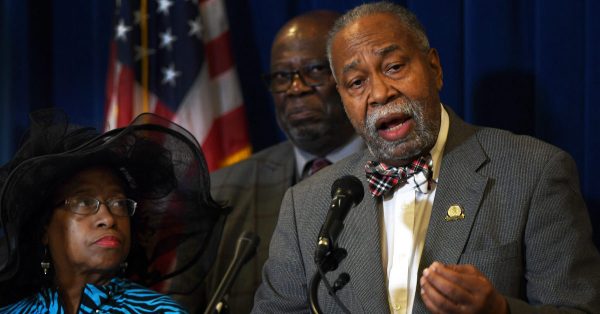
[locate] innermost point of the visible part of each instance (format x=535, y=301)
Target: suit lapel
x=276, y=171
x=459, y=184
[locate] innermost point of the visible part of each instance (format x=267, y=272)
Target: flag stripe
x=124, y=96
x=163, y=110
x=224, y=89
x=227, y=87
x=235, y=140
x=218, y=55
x=215, y=17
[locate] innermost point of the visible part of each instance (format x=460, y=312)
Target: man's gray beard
x=423, y=136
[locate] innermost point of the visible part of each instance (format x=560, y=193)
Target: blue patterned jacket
x=118, y=296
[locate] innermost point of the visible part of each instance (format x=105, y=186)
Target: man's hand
x=459, y=289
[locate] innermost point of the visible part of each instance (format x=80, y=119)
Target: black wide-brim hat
x=177, y=224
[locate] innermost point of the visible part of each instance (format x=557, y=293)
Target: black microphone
x=244, y=251
x=346, y=192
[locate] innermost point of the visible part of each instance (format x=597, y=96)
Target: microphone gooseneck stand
x=244, y=251
x=329, y=263
x=346, y=192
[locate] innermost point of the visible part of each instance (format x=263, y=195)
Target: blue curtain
x=530, y=66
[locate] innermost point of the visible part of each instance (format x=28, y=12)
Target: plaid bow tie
x=383, y=178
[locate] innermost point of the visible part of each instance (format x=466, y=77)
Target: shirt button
x=398, y=308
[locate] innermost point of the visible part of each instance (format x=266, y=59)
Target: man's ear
x=436, y=68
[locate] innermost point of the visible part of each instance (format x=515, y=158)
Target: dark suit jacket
x=526, y=228
x=254, y=189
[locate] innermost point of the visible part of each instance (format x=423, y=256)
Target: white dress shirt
x=406, y=214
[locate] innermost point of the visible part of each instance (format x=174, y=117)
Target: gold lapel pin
x=455, y=212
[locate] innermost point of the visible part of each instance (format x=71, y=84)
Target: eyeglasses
x=89, y=206
x=311, y=75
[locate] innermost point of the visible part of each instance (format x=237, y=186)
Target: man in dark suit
x=456, y=218
x=310, y=112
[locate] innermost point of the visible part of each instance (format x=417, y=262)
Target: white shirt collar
x=438, y=149
x=302, y=157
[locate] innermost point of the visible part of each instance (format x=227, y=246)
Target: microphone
x=244, y=251
x=346, y=192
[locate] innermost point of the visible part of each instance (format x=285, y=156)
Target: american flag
x=173, y=58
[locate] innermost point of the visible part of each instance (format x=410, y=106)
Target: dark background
x=529, y=66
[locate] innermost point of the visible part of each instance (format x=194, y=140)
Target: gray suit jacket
x=526, y=228
x=254, y=189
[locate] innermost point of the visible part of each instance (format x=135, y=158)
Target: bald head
x=313, y=26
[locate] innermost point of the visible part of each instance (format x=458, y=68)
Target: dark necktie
x=383, y=178
x=315, y=165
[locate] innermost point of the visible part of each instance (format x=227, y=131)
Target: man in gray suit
x=455, y=219
x=310, y=112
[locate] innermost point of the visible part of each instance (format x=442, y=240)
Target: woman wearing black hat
x=81, y=212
